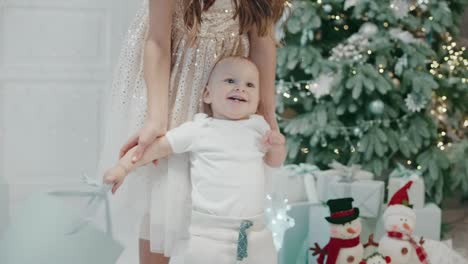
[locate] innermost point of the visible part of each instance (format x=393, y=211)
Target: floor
x=458, y=220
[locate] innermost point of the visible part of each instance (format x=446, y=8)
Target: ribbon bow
x=97, y=196
x=301, y=169
x=402, y=172
x=242, y=242
x=349, y=173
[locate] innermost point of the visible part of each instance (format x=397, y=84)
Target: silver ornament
x=376, y=107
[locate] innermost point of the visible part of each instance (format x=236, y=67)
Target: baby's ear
x=206, y=96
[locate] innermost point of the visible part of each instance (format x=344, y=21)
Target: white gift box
x=297, y=183
x=43, y=231
x=368, y=195
x=339, y=172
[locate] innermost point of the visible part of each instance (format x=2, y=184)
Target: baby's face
x=233, y=89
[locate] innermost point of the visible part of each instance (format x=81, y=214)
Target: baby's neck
x=223, y=117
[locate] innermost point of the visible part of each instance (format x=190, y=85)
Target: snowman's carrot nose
x=406, y=226
x=350, y=230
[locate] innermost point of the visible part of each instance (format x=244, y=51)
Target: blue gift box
x=295, y=244
x=41, y=231
x=319, y=228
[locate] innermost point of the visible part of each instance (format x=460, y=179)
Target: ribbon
x=301, y=169
x=242, y=242
x=349, y=173
x=402, y=172
x=96, y=198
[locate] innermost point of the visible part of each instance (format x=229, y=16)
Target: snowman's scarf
x=332, y=249
x=420, y=252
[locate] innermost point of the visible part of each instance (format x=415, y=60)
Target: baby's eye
x=251, y=85
x=229, y=80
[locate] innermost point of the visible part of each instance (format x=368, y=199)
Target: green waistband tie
x=242, y=241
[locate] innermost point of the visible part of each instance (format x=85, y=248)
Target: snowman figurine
x=376, y=258
x=344, y=246
x=399, y=223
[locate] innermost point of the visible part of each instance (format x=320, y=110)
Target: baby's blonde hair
x=232, y=57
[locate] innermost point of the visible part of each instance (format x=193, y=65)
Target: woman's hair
x=259, y=13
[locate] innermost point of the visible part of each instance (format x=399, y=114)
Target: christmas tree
x=377, y=83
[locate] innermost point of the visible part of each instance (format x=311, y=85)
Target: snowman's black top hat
x=342, y=211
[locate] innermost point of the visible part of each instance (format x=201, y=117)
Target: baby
x=228, y=151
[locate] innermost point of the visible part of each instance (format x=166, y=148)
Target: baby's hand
x=115, y=176
x=273, y=140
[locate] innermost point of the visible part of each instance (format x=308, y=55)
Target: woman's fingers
x=140, y=149
x=132, y=142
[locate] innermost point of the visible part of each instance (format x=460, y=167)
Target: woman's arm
x=157, y=60
x=156, y=70
x=263, y=54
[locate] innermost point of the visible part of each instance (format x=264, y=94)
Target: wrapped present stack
x=310, y=188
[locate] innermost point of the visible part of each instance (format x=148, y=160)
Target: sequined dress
x=163, y=191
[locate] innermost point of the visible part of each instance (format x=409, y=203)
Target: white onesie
x=228, y=187
x=227, y=168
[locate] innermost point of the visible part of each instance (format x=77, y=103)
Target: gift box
x=339, y=172
x=368, y=195
x=297, y=183
x=428, y=223
x=45, y=230
x=295, y=245
x=319, y=230
x=399, y=177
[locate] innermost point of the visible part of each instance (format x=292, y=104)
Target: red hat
x=401, y=196
x=400, y=203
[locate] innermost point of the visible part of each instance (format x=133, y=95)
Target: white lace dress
x=163, y=192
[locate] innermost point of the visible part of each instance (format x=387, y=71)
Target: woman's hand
x=142, y=139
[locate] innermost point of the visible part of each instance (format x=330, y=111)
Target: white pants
x=214, y=239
